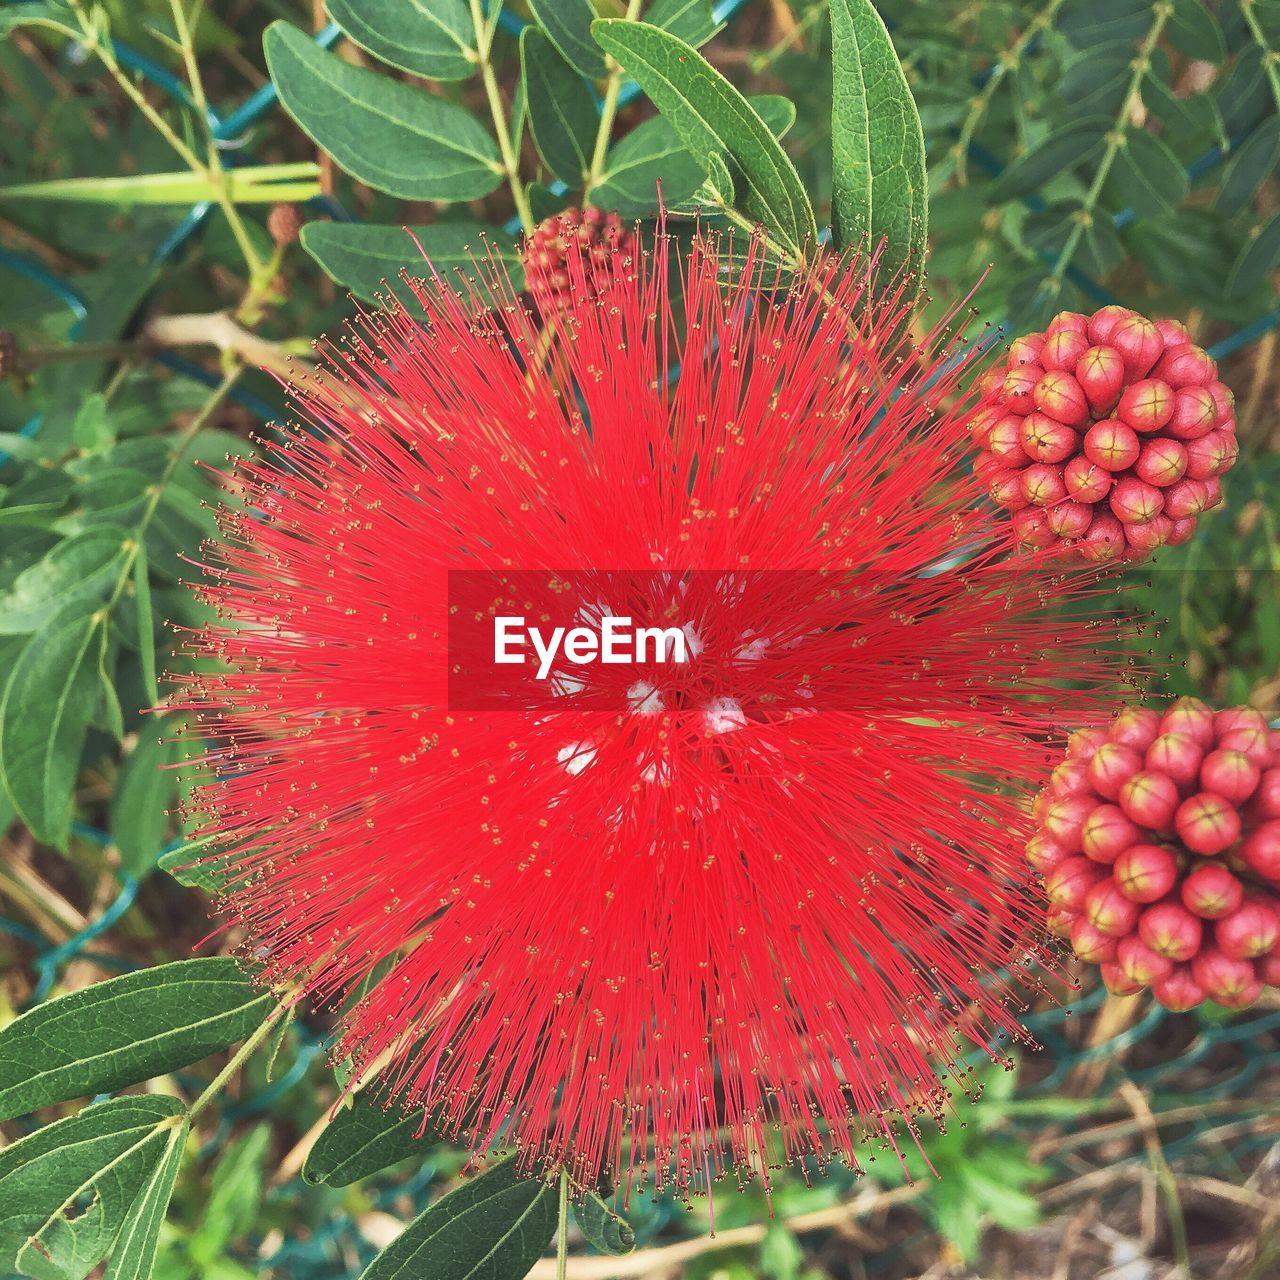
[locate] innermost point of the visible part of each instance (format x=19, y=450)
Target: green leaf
x=1147, y=176
x=125, y=1030
x=145, y=790
x=183, y=866
x=257, y=184
x=1250, y=167
x=233, y=1203
x=603, y=1228
x=493, y=1227
x=1065, y=148
x=44, y=716
x=78, y=573
x=146, y=625
x=879, y=189
x=53, y=14
x=1090, y=23
x=92, y=430
x=1257, y=260
x=1095, y=82
x=691, y=20
x=562, y=111
x=1193, y=30
x=67, y=1189
x=568, y=24
x=362, y=1139
x=431, y=38
x=133, y=1255
x=368, y=259
x=389, y=135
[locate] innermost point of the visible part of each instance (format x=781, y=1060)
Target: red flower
x=746, y=916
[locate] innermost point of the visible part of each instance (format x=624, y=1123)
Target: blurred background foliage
x=1079, y=151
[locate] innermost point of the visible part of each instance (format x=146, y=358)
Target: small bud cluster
x=284, y=224
x=1106, y=435
x=1159, y=841
x=603, y=235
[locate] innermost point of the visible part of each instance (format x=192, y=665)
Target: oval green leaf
x=568, y=24
x=78, y=571
x=145, y=790
x=1065, y=148
x=431, y=38
x=361, y=1140
x=389, y=135
x=1146, y=176
x=126, y=1030
x=562, y=111
x=603, y=1228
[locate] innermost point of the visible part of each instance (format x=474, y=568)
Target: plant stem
x=510, y=162
x=237, y=1059
x=1269, y=56
x=1116, y=139
x=608, y=111
x=562, y=1228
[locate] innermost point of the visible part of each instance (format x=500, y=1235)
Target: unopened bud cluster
x=1105, y=435
x=1159, y=841
x=602, y=235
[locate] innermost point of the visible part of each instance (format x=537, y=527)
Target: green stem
x=608, y=112
x=562, y=1228
x=1116, y=138
x=237, y=1059
x=1270, y=57
x=510, y=163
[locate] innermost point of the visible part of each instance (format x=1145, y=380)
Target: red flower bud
x=1254, y=743
x=1170, y=930
x=1106, y=833
x=1112, y=445
x=1224, y=401
x=1211, y=891
x=1117, y=982
x=1111, y=767
x=1174, y=332
x=1266, y=799
x=1042, y=484
x=1211, y=455
x=1063, y=349
x=1145, y=872
x=1067, y=321
x=1069, y=778
x=1031, y=528
x=1069, y=519
x=1250, y=931
x=1109, y=911
x=1139, y=963
x=1180, y=531
x=1150, y=799
x=1044, y=853
x=1025, y=350
x=1100, y=373
x=1103, y=321
x=1260, y=851
x=1060, y=396
x=1146, y=405
x=1044, y=440
x=1192, y=717
x=980, y=424
x=1241, y=999
x=1186, y=498
x=1135, y=501
x=1065, y=819
x=1019, y=384
x=1224, y=979
x=1004, y=440
x=1068, y=884
x=1230, y=774
x=1091, y=943
x=1004, y=488
x=1104, y=541
x=1179, y=991
x=1207, y=824
x=1082, y=743
x=1162, y=462
x=1139, y=343
x=1086, y=481
x=1059, y=921
x=1176, y=755
x=1148, y=537
x=1136, y=727
x=1213, y=492
x=1193, y=413
x=1186, y=365
x=1268, y=969
x=1230, y=718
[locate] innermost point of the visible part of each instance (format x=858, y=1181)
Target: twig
x=510, y=163
x=608, y=111
x=1165, y=1179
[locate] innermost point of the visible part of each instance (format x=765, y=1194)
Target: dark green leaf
x=392, y=136
x=1095, y=82
x=125, y=1030
x=1193, y=30
x=146, y=625
x=879, y=189
x=1066, y=148
x=186, y=868
x=1090, y=23
x=431, y=38
x=568, y=23
x=711, y=116
x=1244, y=99
x=368, y=259
x=493, y=1227
x=1146, y=176
x=233, y=1203
x=61, y=17
x=145, y=790
x=1259, y=258
x=603, y=1228
x=362, y=1139
x=691, y=20
x=78, y=572
x=562, y=111
x=92, y=430
x=47, y=706
x=67, y=1189
x=1250, y=167
x=133, y=1254
x=1099, y=248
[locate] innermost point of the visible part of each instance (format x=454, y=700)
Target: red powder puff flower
x=746, y=908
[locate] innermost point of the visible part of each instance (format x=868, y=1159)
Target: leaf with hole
x=431, y=38
x=133, y=1254
x=392, y=136
x=126, y=1030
